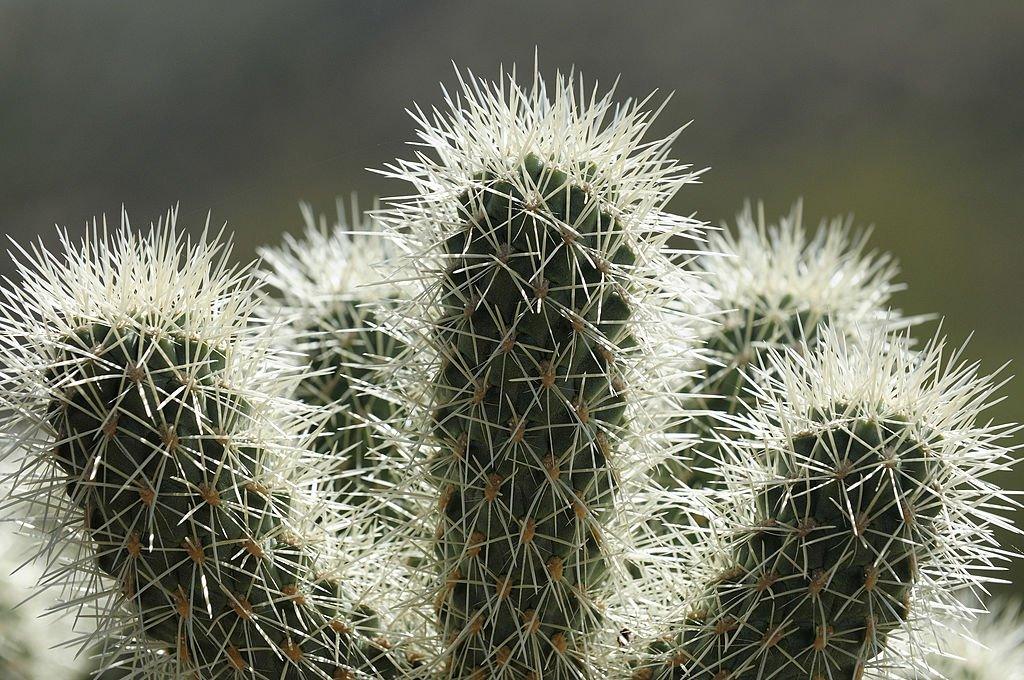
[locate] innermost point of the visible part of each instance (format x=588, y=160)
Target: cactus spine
x=147, y=394
x=532, y=233
x=33, y=646
x=534, y=367
x=326, y=286
x=869, y=508
x=992, y=649
x=775, y=287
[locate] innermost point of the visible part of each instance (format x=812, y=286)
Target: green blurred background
x=908, y=114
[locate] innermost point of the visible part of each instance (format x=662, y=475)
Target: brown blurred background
x=909, y=114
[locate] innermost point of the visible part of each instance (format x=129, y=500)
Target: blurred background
x=909, y=115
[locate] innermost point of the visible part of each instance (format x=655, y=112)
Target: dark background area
x=908, y=114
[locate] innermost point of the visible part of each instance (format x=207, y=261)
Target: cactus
x=135, y=377
x=326, y=286
x=774, y=287
x=869, y=507
x=483, y=473
x=535, y=235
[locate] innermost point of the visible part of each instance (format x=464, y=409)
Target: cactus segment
x=180, y=462
x=859, y=507
x=539, y=244
x=327, y=286
x=824, y=575
x=776, y=287
x=530, y=333
x=176, y=498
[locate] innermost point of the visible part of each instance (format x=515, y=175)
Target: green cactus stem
x=327, y=286
x=530, y=331
x=179, y=458
x=824, y=575
x=857, y=509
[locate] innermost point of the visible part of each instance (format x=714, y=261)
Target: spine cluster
x=328, y=289
x=160, y=418
x=533, y=235
x=523, y=433
x=867, y=511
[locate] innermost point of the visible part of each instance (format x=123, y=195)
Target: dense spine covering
x=134, y=377
x=489, y=441
x=536, y=235
x=328, y=288
x=868, y=508
x=775, y=286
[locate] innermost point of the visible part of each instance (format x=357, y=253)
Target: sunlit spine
x=866, y=509
x=166, y=467
x=328, y=287
x=536, y=236
x=775, y=286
